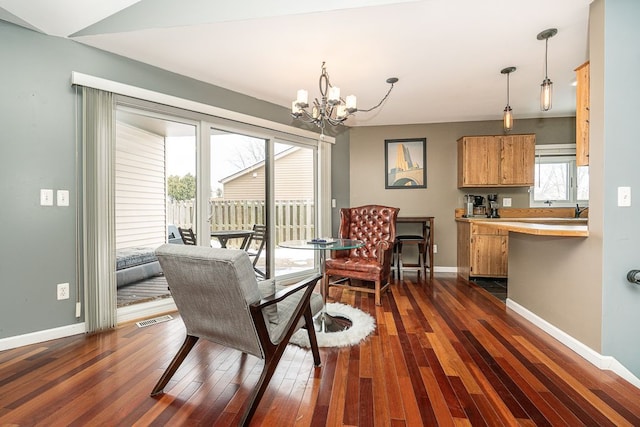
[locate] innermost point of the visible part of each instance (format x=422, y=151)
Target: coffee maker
x=493, y=206
x=479, y=209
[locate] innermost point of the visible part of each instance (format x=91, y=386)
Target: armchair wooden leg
x=308, y=318
x=270, y=365
x=187, y=345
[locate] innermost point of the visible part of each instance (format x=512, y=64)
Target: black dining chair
x=255, y=245
x=187, y=235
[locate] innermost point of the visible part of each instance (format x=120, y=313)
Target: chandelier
x=330, y=108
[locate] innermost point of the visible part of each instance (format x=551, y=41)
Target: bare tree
x=248, y=151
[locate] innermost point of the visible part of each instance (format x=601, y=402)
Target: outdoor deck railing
x=294, y=219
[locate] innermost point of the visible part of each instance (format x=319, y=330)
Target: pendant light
x=507, y=121
x=546, y=88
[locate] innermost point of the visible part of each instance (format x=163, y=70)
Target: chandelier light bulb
x=295, y=109
x=302, y=99
x=334, y=95
x=351, y=104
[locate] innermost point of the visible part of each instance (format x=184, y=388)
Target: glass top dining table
x=325, y=322
x=326, y=243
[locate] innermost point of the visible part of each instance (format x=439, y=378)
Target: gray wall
x=558, y=279
x=340, y=154
x=585, y=292
x=616, y=90
x=38, y=151
x=442, y=196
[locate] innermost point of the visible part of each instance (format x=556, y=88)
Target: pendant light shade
x=507, y=119
x=546, y=88
x=546, y=93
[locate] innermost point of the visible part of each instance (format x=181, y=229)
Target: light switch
x=624, y=196
x=46, y=197
x=506, y=202
x=63, y=197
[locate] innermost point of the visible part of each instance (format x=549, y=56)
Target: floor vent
x=149, y=322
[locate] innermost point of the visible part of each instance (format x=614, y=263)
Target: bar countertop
x=560, y=227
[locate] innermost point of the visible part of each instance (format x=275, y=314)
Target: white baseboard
x=437, y=269
x=592, y=356
x=42, y=336
x=148, y=309
x=125, y=314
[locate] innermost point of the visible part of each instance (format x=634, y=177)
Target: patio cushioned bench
x=135, y=264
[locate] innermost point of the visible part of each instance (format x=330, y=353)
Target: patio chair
x=220, y=300
x=259, y=237
x=188, y=236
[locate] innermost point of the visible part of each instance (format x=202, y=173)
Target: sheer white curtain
x=98, y=142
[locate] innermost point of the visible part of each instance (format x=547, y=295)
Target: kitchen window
x=558, y=181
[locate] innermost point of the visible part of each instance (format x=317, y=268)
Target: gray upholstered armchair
x=219, y=299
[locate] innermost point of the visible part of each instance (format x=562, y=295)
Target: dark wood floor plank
x=442, y=411
x=352, y=389
x=444, y=352
x=443, y=385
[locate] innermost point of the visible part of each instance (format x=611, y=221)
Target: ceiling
x=447, y=54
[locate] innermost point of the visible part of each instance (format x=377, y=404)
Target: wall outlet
x=506, y=202
x=63, y=291
x=624, y=196
x=435, y=249
x=46, y=197
x=63, y=197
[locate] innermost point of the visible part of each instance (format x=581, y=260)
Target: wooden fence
x=294, y=219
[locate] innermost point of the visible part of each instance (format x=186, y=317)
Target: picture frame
x=405, y=163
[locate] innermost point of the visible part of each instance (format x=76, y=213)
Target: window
x=558, y=181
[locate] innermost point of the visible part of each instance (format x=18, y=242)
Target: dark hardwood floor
x=444, y=353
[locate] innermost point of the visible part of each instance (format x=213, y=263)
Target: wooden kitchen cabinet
x=482, y=251
x=582, y=114
x=496, y=161
x=478, y=160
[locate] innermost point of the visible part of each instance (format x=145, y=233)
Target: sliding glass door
x=262, y=193
x=295, y=201
x=237, y=202
x=155, y=183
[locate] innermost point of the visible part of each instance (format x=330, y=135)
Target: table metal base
x=325, y=322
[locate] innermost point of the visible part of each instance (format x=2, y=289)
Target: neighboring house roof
x=293, y=178
x=256, y=166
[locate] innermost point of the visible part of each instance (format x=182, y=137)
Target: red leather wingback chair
x=376, y=226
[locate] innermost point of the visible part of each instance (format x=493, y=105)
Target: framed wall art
x=405, y=163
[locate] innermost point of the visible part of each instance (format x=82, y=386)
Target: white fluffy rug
x=363, y=325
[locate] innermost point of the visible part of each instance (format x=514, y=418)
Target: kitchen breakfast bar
x=548, y=265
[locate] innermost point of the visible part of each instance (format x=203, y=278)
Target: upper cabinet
x=496, y=161
x=582, y=114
